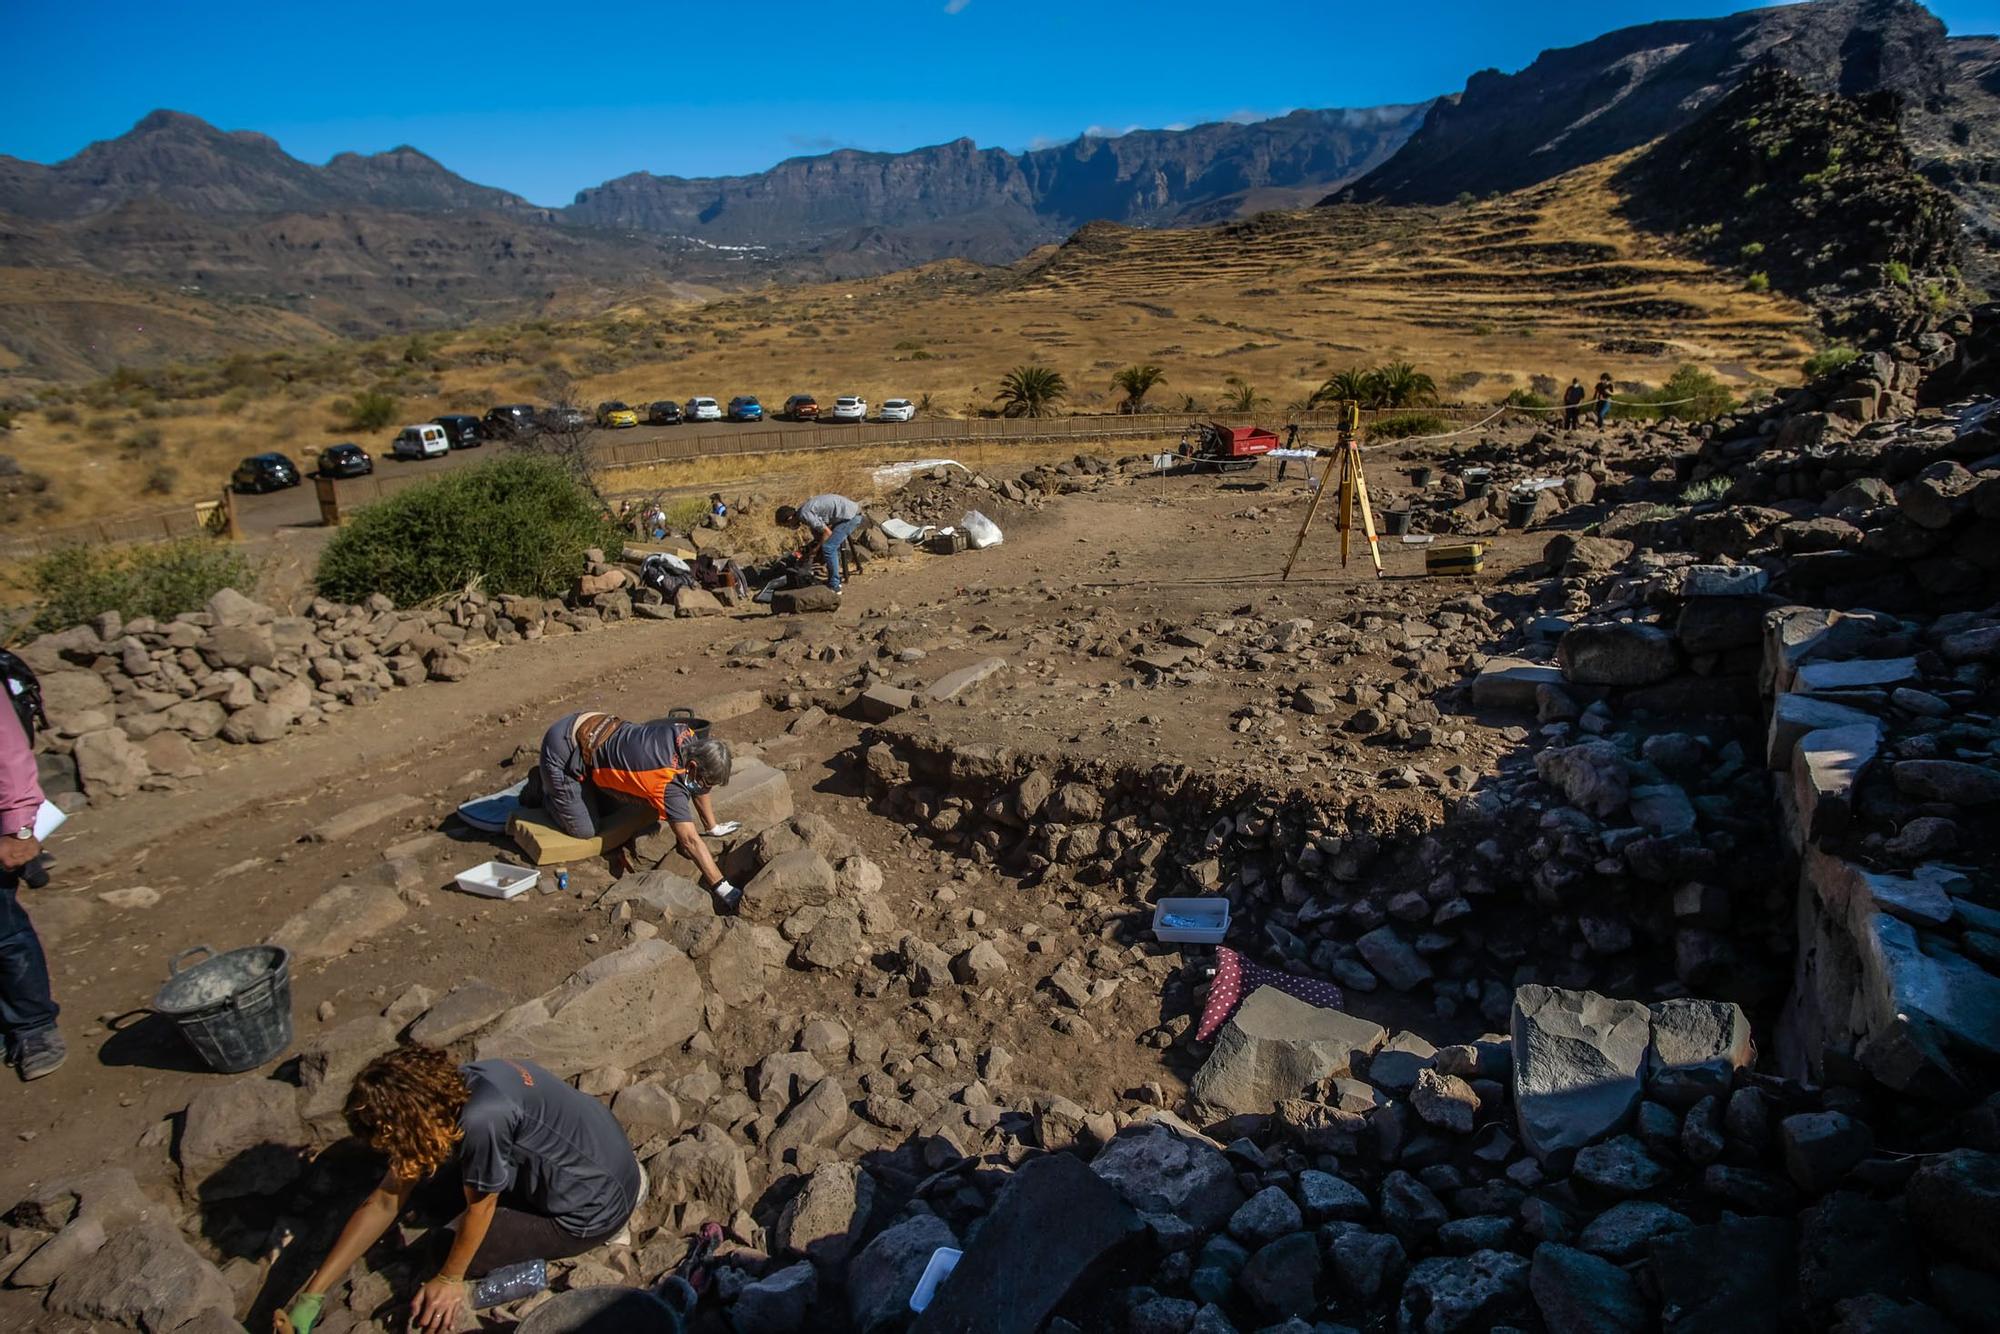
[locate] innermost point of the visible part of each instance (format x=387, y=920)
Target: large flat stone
x=953, y=684
x=1827, y=766
x=1818, y=678
x=1730, y=1277
x=756, y=794
x=1052, y=1224
x=623, y=1009
x=243, y=1137
x=461, y=1012
x=1177, y=1180
x=885, y=1273
x=1510, y=683
x=1794, y=715
x=1577, y=1062
x=1697, y=1047
x=1619, y=653
x=365, y=816
x=145, y=1276
x=341, y=918
x=1276, y=1047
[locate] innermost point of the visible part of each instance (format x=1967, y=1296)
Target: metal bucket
x=235, y=1009
x=685, y=717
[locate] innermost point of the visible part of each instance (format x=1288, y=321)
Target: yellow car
x=614, y=414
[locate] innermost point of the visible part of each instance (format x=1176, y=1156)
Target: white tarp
x=980, y=531
x=903, y=531
x=895, y=474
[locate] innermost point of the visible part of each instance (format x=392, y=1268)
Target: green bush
x=1830, y=359
x=518, y=524
x=76, y=583
x=1752, y=250
x=1897, y=273
x=368, y=411
x=1757, y=282
x=1690, y=393
x=1527, y=398
x=1402, y=425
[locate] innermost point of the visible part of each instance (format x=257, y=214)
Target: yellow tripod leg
x=1367, y=514
x=1319, y=494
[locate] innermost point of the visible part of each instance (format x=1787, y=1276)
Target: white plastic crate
x=1210, y=913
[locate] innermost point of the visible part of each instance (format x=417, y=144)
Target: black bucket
x=686, y=718
x=605, y=1310
x=1477, y=490
x=235, y=1009
x=1520, y=509
x=1396, y=522
x=1421, y=477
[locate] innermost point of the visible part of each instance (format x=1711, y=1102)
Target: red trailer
x=1227, y=448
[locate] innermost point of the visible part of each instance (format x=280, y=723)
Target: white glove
x=725, y=829
x=722, y=889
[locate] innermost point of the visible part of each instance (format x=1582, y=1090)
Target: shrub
x=1830, y=359
x=76, y=583
x=160, y=479
x=1690, y=393
x=1402, y=425
x=142, y=440
x=1757, y=282
x=1527, y=398
x=367, y=411
x=1897, y=273
x=61, y=414
x=519, y=524
x=1752, y=250
x=1700, y=493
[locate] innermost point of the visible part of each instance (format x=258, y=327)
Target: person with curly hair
x=547, y=1173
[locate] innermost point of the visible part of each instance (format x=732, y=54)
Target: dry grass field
x=1488, y=297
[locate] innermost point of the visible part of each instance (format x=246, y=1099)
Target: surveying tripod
x=1353, y=494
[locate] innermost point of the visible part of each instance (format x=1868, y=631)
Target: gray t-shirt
x=561, y=1152
x=828, y=511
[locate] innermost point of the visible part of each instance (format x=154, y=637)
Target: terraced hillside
x=1512, y=293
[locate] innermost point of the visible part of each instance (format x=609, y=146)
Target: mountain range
x=176, y=210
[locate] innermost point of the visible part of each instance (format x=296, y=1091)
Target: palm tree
x=1242, y=397
x=1135, y=382
x=1351, y=385
x=1030, y=391
x=1401, y=385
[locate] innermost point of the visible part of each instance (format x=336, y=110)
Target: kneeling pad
x=545, y=845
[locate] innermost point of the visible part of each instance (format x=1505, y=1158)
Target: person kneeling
x=547, y=1173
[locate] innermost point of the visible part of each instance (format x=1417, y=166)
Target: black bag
x=655, y=573
x=25, y=689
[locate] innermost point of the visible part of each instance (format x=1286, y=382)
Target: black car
x=562, y=418
x=265, y=472
x=461, y=430
x=514, y=419
x=345, y=460
x=666, y=412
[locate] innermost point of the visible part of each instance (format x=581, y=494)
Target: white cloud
x=955, y=6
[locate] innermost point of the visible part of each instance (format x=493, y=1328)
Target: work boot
x=40, y=1054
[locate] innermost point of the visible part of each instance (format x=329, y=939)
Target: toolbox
x=1463, y=558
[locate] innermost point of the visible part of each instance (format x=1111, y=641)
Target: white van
x=427, y=441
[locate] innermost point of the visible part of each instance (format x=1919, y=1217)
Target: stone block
x=1827, y=766
x=623, y=1009
x=1793, y=715
x=461, y=1012
x=1510, y=683
x=340, y=919
x=756, y=795
x=1577, y=1062
x=952, y=685
x=1276, y=1047
x=1620, y=653
x=879, y=703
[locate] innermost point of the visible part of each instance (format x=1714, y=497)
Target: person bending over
x=832, y=520
x=547, y=1173
x=589, y=756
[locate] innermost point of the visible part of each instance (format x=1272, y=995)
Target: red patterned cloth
x=1236, y=977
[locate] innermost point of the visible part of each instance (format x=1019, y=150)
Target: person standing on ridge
x=1572, y=404
x=1601, y=398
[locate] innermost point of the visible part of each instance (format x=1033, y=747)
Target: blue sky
x=505, y=94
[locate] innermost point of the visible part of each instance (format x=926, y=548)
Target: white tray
x=498, y=880
x=943, y=1260
x=1212, y=910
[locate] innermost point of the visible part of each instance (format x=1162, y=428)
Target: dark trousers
x=517, y=1234
x=27, y=1005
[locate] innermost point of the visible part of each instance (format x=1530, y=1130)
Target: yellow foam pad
x=545, y=845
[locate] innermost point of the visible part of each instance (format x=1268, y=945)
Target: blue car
x=746, y=408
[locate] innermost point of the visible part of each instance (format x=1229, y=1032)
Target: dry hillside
x=1486, y=296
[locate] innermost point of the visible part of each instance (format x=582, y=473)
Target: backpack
x=25, y=689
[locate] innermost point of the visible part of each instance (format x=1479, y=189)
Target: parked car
x=801, y=408
x=666, y=412
x=702, y=408
x=265, y=472
x=616, y=414
x=345, y=460
x=461, y=430
x=745, y=408
x=898, y=410
x=850, y=408
x=425, y=440
x=512, y=420
x=562, y=419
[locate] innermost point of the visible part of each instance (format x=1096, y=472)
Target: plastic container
x=498, y=880
x=510, y=1284
x=943, y=1260
x=1194, y=921
x=1520, y=509
x=234, y=1009
x=685, y=717
x=1421, y=477
x=1396, y=522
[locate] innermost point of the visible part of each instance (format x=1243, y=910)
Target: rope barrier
x=1506, y=408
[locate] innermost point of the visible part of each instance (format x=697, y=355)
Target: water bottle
x=510, y=1284
x=562, y=882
